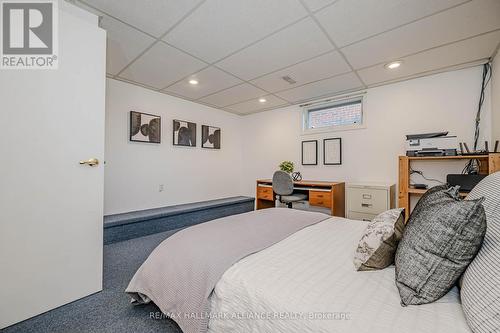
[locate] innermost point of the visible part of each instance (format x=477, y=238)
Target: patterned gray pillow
x=480, y=291
x=428, y=198
x=442, y=237
x=380, y=240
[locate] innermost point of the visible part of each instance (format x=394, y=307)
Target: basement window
x=337, y=115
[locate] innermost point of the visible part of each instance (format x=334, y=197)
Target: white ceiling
x=240, y=50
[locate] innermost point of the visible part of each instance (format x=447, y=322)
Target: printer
x=431, y=144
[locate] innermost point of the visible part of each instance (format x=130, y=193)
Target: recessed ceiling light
x=262, y=100
x=193, y=82
x=393, y=65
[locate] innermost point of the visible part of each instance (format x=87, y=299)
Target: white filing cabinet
x=366, y=200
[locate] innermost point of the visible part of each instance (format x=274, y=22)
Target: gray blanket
x=181, y=273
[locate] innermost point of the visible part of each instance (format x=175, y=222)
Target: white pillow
x=379, y=242
x=480, y=291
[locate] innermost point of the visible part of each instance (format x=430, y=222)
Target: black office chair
x=283, y=187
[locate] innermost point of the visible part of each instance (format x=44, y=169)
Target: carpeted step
x=120, y=227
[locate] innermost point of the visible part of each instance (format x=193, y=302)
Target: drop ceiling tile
x=240, y=93
x=162, y=65
x=461, y=22
x=328, y=87
x=92, y=10
x=459, y=53
x=210, y=80
x=153, y=16
x=220, y=27
x=135, y=83
x=318, y=68
x=254, y=105
x=314, y=5
x=348, y=21
x=124, y=44
x=296, y=43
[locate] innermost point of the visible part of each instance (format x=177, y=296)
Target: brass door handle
x=92, y=162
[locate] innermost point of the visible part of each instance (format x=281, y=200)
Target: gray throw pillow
x=442, y=236
x=379, y=242
x=480, y=291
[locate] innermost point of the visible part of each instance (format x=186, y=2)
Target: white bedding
x=311, y=273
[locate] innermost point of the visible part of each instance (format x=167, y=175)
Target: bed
x=280, y=270
x=311, y=275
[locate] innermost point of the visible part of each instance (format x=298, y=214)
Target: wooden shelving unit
x=458, y=157
x=418, y=191
x=488, y=164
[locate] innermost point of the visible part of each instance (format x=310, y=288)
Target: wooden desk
x=321, y=194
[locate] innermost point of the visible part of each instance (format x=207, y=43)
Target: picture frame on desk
x=332, y=151
x=310, y=152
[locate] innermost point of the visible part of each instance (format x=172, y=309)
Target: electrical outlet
x=161, y=188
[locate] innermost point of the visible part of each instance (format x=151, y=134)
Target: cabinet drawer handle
x=319, y=195
x=366, y=205
x=367, y=196
x=320, y=202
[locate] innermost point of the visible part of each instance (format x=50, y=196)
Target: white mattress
x=311, y=274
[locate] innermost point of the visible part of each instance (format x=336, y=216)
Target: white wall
x=134, y=171
x=253, y=145
x=495, y=98
x=440, y=102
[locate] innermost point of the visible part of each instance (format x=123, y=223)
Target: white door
x=51, y=207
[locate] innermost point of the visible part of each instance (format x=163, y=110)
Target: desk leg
x=338, y=200
x=404, y=183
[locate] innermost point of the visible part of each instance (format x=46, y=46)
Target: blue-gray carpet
x=110, y=310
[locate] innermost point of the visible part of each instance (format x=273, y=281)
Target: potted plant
x=286, y=166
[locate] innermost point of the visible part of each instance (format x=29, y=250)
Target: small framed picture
x=332, y=151
x=184, y=133
x=145, y=127
x=210, y=137
x=310, y=152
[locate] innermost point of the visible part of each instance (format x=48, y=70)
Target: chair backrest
x=282, y=183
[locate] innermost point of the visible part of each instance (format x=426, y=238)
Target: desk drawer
x=368, y=200
x=320, y=198
x=265, y=193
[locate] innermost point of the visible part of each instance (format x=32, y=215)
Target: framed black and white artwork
x=210, y=137
x=310, y=152
x=332, y=151
x=145, y=127
x=184, y=133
